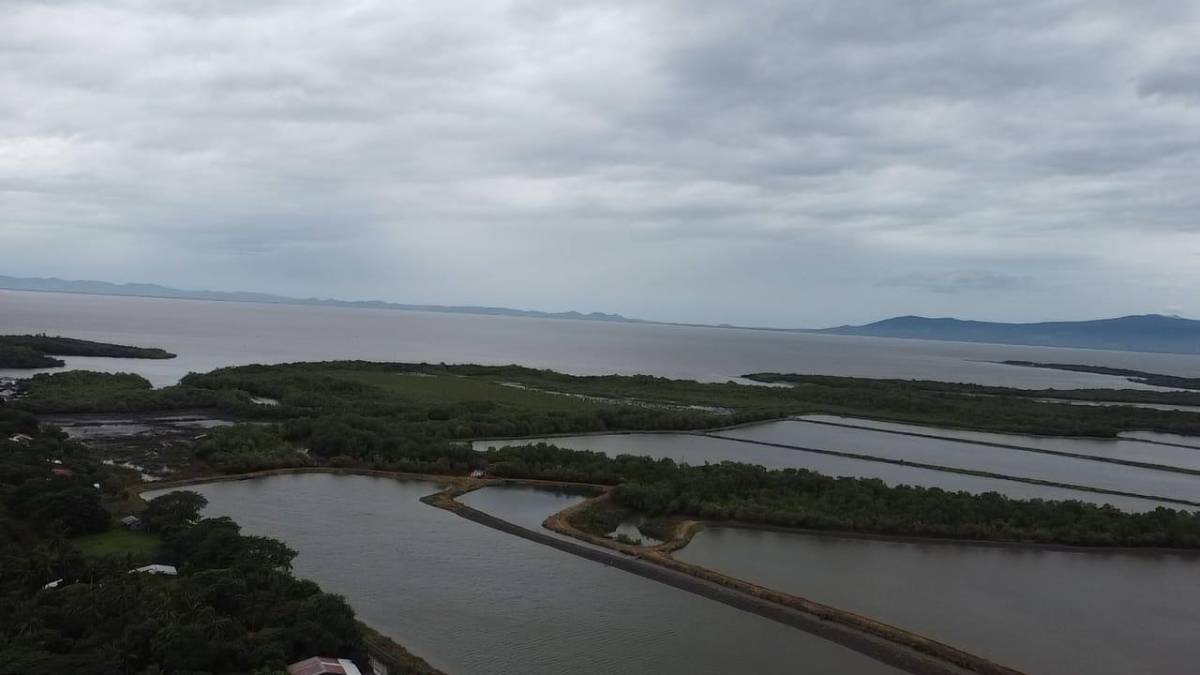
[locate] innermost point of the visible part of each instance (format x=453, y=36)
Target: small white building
x=23, y=439
x=478, y=473
x=157, y=569
x=132, y=522
x=53, y=584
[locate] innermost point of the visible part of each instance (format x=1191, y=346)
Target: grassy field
x=451, y=389
x=119, y=541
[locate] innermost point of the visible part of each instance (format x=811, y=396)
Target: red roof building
x=323, y=665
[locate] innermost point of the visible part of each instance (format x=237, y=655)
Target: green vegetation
x=362, y=410
x=13, y=356
x=1139, y=376
x=459, y=402
x=801, y=498
x=233, y=608
x=84, y=391
x=415, y=417
x=1000, y=409
x=118, y=541
x=63, y=346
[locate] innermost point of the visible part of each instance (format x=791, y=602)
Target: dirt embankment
x=891, y=644
x=888, y=644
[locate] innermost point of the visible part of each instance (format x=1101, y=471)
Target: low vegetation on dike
x=37, y=351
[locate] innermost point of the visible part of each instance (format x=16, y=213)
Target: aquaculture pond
x=473, y=600
x=1038, y=610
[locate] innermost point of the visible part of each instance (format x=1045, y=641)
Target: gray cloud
x=961, y=281
x=762, y=162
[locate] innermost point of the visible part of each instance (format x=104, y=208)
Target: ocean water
x=209, y=335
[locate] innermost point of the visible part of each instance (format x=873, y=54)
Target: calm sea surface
x=473, y=600
x=209, y=335
x=1041, y=611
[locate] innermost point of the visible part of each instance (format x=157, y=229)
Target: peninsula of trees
x=38, y=351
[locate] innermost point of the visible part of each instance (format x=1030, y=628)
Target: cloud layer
x=783, y=163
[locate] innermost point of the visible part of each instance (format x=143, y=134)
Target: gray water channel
x=473, y=600
x=1042, y=611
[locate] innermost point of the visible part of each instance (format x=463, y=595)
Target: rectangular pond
x=473, y=600
x=1131, y=446
x=971, y=456
x=696, y=449
x=1038, y=610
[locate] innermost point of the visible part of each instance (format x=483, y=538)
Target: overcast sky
x=782, y=163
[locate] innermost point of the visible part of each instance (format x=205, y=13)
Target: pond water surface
x=1039, y=610
x=965, y=455
x=1130, y=446
x=473, y=600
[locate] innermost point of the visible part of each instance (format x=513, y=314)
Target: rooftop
x=323, y=665
x=157, y=569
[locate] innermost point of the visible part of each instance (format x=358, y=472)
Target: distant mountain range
x=156, y=291
x=1143, y=333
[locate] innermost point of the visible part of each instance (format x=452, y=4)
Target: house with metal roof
x=324, y=665
x=157, y=569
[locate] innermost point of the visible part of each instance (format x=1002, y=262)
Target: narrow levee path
x=894, y=646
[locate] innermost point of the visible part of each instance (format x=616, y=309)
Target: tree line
x=233, y=608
